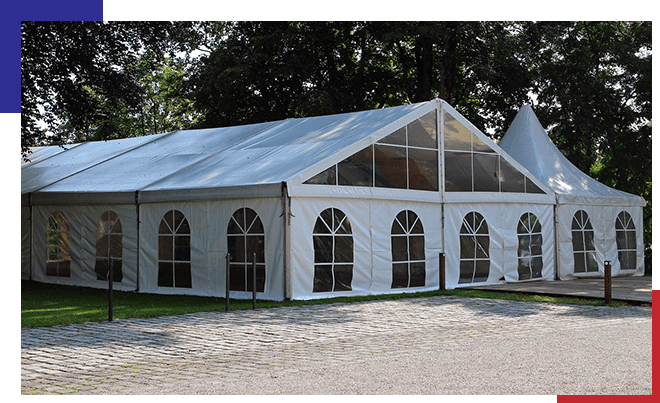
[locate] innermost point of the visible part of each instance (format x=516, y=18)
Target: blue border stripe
x=10, y=33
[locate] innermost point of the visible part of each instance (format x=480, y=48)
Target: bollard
x=442, y=272
x=254, y=281
x=110, y=279
x=227, y=260
x=608, y=282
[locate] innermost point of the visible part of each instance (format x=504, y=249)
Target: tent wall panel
x=603, y=221
x=502, y=220
x=208, y=241
x=83, y=221
x=371, y=225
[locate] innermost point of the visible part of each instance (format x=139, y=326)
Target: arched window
x=530, y=253
x=408, y=255
x=474, y=262
x=58, y=258
x=174, y=251
x=626, y=242
x=584, y=251
x=108, y=245
x=333, y=252
x=245, y=236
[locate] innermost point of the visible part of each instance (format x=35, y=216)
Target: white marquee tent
x=595, y=223
x=350, y=204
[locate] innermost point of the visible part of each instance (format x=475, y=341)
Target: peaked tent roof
x=243, y=160
x=527, y=141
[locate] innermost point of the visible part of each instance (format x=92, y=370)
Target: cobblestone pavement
x=437, y=345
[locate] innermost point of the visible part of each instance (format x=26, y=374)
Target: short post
x=110, y=279
x=442, y=272
x=254, y=281
x=227, y=260
x=608, y=282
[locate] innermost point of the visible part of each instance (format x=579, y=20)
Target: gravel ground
x=438, y=345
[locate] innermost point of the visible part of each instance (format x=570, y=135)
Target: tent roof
x=237, y=157
x=528, y=142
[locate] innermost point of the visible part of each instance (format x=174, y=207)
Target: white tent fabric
x=527, y=141
x=349, y=204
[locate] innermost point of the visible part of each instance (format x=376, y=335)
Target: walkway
x=631, y=289
x=437, y=345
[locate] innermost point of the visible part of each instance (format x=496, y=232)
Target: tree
x=87, y=80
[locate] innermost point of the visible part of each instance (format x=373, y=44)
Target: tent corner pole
x=285, y=231
x=137, y=218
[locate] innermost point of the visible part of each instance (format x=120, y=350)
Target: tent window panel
x=333, y=252
x=626, y=241
x=479, y=145
x=530, y=242
x=237, y=277
x=343, y=277
x=423, y=169
x=327, y=177
x=423, y=132
x=182, y=275
x=457, y=136
x=356, y=170
x=109, y=245
x=397, y=138
x=391, y=167
x=174, y=269
x=530, y=187
x=511, y=180
x=485, y=174
x=474, y=249
x=58, y=258
x=408, y=251
x=245, y=239
x=417, y=274
x=399, y=275
x=458, y=172
x=582, y=234
x=165, y=274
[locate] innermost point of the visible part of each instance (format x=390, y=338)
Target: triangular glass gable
x=405, y=159
x=471, y=165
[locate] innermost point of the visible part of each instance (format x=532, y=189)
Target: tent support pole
x=556, y=219
x=137, y=218
x=285, y=243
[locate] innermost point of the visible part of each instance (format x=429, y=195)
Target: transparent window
x=109, y=245
x=58, y=257
x=333, y=252
x=584, y=251
x=357, y=170
x=405, y=159
x=626, y=242
x=471, y=165
x=174, y=251
x=391, y=166
x=475, y=242
x=408, y=253
x=530, y=253
x=245, y=237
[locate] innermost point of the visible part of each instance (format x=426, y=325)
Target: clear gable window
x=473, y=166
x=174, y=251
x=333, y=252
x=108, y=245
x=405, y=159
x=245, y=237
x=475, y=242
x=58, y=257
x=584, y=251
x=530, y=252
x=626, y=242
x=408, y=253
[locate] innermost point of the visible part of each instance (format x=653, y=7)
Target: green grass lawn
x=49, y=304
